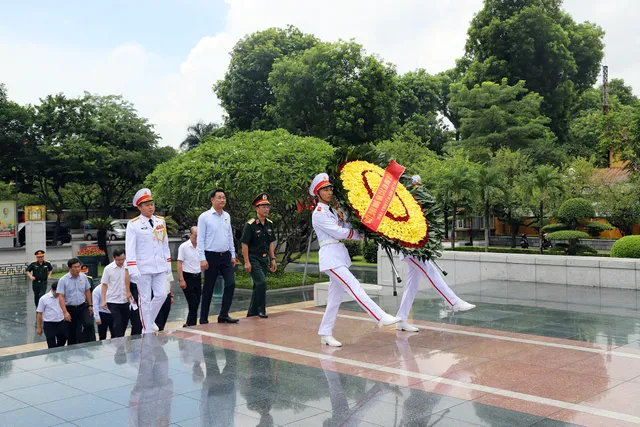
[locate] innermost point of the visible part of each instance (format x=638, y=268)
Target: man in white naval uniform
x=335, y=262
x=417, y=269
x=148, y=258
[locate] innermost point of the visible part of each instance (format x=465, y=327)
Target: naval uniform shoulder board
x=160, y=217
x=251, y=221
x=135, y=219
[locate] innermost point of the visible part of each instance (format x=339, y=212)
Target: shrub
x=503, y=250
x=626, y=247
x=354, y=247
x=370, y=251
x=573, y=211
x=554, y=227
x=567, y=235
x=594, y=228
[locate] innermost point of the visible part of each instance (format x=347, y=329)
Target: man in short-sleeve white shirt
x=114, y=293
x=189, y=274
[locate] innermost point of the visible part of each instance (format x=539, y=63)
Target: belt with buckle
x=262, y=254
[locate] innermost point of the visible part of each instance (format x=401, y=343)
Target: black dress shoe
x=227, y=320
x=204, y=322
x=263, y=315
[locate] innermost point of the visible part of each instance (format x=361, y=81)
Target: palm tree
x=546, y=184
x=458, y=183
x=197, y=133
x=491, y=184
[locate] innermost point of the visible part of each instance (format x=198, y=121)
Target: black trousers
x=39, y=289
x=81, y=326
x=106, y=322
x=120, y=313
x=163, y=314
x=192, y=293
x=136, y=323
x=219, y=264
x=56, y=333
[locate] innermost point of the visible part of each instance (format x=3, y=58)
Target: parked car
x=117, y=232
x=64, y=234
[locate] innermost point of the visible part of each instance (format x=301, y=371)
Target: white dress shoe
x=388, y=319
x=330, y=341
x=155, y=328
x=462, y=306
x=404, y=326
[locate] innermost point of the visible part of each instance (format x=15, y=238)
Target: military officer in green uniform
x=39, y=271
x=258, y=251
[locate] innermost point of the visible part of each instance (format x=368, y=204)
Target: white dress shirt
x=190, y=258
x=50, y=308
x=113, y=276
x=215, y=233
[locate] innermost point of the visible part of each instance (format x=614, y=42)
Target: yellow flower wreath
x=404, y=221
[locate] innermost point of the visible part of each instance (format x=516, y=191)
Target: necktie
x=151, y=222
x=330, y=209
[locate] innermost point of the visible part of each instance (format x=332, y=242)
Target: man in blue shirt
x=74, y=295
x=217, y=256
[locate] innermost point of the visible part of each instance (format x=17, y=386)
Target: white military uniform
x=148, y=262
x=335, y=262
x=418, y=269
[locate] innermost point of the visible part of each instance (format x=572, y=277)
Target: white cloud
x=174, y=94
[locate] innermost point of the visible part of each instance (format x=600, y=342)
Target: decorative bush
x=370, y=251
x=573, y=211
x=626, y=247
x=554, y=227
x=354, y=247
x=573, y=236
x=91, y=251
x=594, y=228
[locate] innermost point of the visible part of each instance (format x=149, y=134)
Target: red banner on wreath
x=383, y=196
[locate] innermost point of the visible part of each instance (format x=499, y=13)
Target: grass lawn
x=313, y=258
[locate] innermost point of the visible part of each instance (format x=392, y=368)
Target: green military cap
x=39, y=252
x=261, y=199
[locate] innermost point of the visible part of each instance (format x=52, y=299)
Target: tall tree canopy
x=334, y=91
x=535, y=41
x=245, y=90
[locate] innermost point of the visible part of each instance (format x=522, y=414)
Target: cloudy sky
x=165, y=55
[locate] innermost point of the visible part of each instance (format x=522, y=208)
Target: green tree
x=245, y=91
x=495, y=116
x=512, y=205
x=128, y=148
x=535, y=41
x=457, y=187
x=15, y=122
x=619, y=203
x=545, y=185
x=82, y=197
x=579, y=177
x=491, y=183
x=334, y=91
x=197, y=133
x=276, y=162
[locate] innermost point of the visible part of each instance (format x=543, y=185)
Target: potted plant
x=90, y=256
x=102, y=226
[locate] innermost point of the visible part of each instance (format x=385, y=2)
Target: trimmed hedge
x=567, y=235
x=370, y=251
x=626, y=247
x=554, y=227
x=534, y=251
x=573, y=211
x=354, y=247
